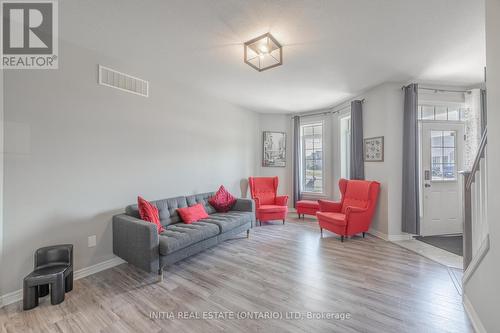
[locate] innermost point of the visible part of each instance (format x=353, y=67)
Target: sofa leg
x=363, y=234
x=160, y=274
x=248, y=233
x=283, y=221
x=342, y=239
x=260, y=223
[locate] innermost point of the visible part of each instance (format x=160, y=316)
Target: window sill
x=312, y=195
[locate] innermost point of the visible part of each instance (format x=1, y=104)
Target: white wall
x=1, y=181
x=77, y=152
x=383, y=116
x=482, y=289
x=276, y=123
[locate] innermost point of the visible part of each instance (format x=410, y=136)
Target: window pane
x=310, y=165
x=449, y=139
x=318, y=130
x=449, y=171
x=309, y=153
x=462, y=113
x=312, y=157
x=427, y=112
x=436, y=138
x=449, y=155
x=307, y=130
x=318, y=164
x=436, y=155
x=453, y=114
x=441, y=113
x=437, y=172
x=309, y=185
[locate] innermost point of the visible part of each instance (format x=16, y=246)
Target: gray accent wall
x=77, y=153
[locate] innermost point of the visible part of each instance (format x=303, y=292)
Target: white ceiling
x=333, y=49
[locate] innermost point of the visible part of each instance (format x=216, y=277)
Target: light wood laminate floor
x=280, y=269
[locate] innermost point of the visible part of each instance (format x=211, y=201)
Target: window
x=312, y=157
x=345, y=146
x=443, y=113
x=443, y=152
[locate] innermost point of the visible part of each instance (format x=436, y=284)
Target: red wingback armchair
x=268, y=205
x=354, y=213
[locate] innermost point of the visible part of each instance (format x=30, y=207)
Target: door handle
x=427, y=185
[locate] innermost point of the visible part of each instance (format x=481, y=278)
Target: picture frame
x=274, y=149
x=373, y=150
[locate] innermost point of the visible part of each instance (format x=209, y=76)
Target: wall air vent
x=114, y=79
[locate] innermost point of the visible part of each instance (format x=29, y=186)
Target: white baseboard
x=17, y=295
x=389, y=238
x=474, y=318
x=379, y=234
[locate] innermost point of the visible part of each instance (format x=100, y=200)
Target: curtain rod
x=442, y=90
x=328, y=112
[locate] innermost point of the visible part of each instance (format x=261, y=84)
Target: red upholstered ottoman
x=308, y=207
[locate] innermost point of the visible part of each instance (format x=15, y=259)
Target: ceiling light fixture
x=263, y=52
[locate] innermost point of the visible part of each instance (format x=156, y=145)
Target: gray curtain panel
x=296, y=159
x=484, y=118
x=357, y=169
x=410, y=206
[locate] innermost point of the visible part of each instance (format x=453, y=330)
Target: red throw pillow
x=222, y=201
x=193, y=213
x=149, y=212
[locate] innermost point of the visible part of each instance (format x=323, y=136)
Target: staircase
x=476, y=239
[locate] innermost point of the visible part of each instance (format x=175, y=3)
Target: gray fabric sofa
x=138, y=242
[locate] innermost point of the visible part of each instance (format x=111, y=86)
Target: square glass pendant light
x=263, y=52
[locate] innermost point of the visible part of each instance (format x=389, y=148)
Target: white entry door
x=442, y=147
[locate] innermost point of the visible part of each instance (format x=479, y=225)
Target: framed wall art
x=374, y=149
x=274, y=149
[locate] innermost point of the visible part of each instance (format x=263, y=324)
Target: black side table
x=54, y=267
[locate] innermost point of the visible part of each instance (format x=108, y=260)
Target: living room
x=169, y=100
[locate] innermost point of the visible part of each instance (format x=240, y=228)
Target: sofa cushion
x=271, y=209
x=193, y=213
x=222, y=201
x=230, y=220
x=337, y=219
x=149, y=212
x=307, y=204
x=180, y=235
x=167, y=209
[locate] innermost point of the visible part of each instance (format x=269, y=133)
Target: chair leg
x=160, y=274
x=342, y=239
x=248, y=233
x=321, y=231
x=43, y=290
x=283, y=221
x=68, y=282
x=363, y=234
x=260, y=223
x=30, y=297
x=57, y=290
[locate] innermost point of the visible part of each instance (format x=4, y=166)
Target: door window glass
x=443, y=155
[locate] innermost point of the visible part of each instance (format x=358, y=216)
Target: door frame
x=421, y=169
